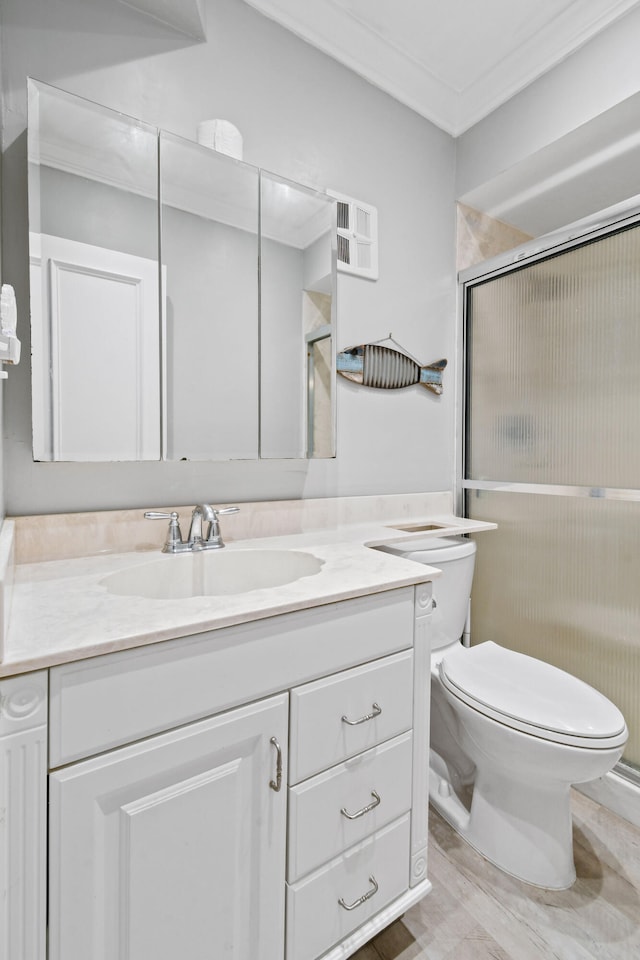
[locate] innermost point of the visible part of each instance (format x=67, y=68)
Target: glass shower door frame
x=618, y=219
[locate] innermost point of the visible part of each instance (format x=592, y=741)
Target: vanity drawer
x=107, y=701
x=315, y=918
x=377, y=782
x=342, y=715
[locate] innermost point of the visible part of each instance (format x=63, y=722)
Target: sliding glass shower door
x=552, y=455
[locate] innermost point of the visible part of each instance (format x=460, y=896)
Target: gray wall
x=282, y=407
x=212, y=336
x=307, y=118
x=2, y=495
x=95, y=213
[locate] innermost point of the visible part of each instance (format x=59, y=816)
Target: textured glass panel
x=558, y=580
x=554, y=361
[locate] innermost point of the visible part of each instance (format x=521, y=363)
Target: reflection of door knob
x=433, y=604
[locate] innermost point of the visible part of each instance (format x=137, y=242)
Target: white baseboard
x=616, y=793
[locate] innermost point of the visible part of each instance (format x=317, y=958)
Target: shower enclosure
x=551, y=453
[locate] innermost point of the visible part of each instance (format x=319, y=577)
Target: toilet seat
x=534, y=697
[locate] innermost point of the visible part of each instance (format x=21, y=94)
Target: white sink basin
x=212, y=574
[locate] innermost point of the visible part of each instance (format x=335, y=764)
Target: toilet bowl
x=510, y=734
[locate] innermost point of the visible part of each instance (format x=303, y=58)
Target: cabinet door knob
x=365, y=896
x=376, y=711
x=277, y=783
x=370, y=806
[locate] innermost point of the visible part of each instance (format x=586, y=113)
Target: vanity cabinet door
x=174, y=846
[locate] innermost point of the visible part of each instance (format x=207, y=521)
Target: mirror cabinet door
x=191, y=322
x=209, y=244
x=297, y=320
x=93, y=244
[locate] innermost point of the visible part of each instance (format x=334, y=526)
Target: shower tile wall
x=480, y=236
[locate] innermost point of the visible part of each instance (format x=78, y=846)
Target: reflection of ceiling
x=81, y=138
x=455, y=61
x=86, y=140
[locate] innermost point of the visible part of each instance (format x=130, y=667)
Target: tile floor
x=475, y=912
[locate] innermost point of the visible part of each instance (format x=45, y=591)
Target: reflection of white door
x=95, y=352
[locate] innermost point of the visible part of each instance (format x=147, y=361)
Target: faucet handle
x=214, y=539
x=173, y=543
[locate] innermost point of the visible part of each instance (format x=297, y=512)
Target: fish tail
x=431, y=376
x=438, y=365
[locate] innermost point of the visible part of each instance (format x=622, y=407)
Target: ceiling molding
x=383, y=49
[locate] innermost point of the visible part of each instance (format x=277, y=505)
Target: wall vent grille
x=357, y=245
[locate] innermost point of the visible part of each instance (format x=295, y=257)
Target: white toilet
x=509, y=734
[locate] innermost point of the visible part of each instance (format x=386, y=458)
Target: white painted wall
x=309, y=119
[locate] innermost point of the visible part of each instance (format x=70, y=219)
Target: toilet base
x=519, y=827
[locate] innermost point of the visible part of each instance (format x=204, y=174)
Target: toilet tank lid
x=432, y=550
x=531, y=692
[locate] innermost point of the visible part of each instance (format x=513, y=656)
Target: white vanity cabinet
x=335, y=882
x=256, y=791
x=174, y=846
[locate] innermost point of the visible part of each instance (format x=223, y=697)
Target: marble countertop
x=61, y=610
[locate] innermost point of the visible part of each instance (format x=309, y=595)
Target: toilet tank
x=455, y=557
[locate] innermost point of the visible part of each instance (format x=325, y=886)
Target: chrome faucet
x=214, y=538
x=202, y=512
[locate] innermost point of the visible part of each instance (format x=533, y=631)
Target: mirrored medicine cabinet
x=183, y=302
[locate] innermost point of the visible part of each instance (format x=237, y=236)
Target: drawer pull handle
x=277, y=783
x=370, y=806
x=376, y=711
x=366, y=896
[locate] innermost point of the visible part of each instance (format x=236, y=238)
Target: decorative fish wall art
x=375, y=366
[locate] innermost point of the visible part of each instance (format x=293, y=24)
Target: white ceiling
x=452, y=61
